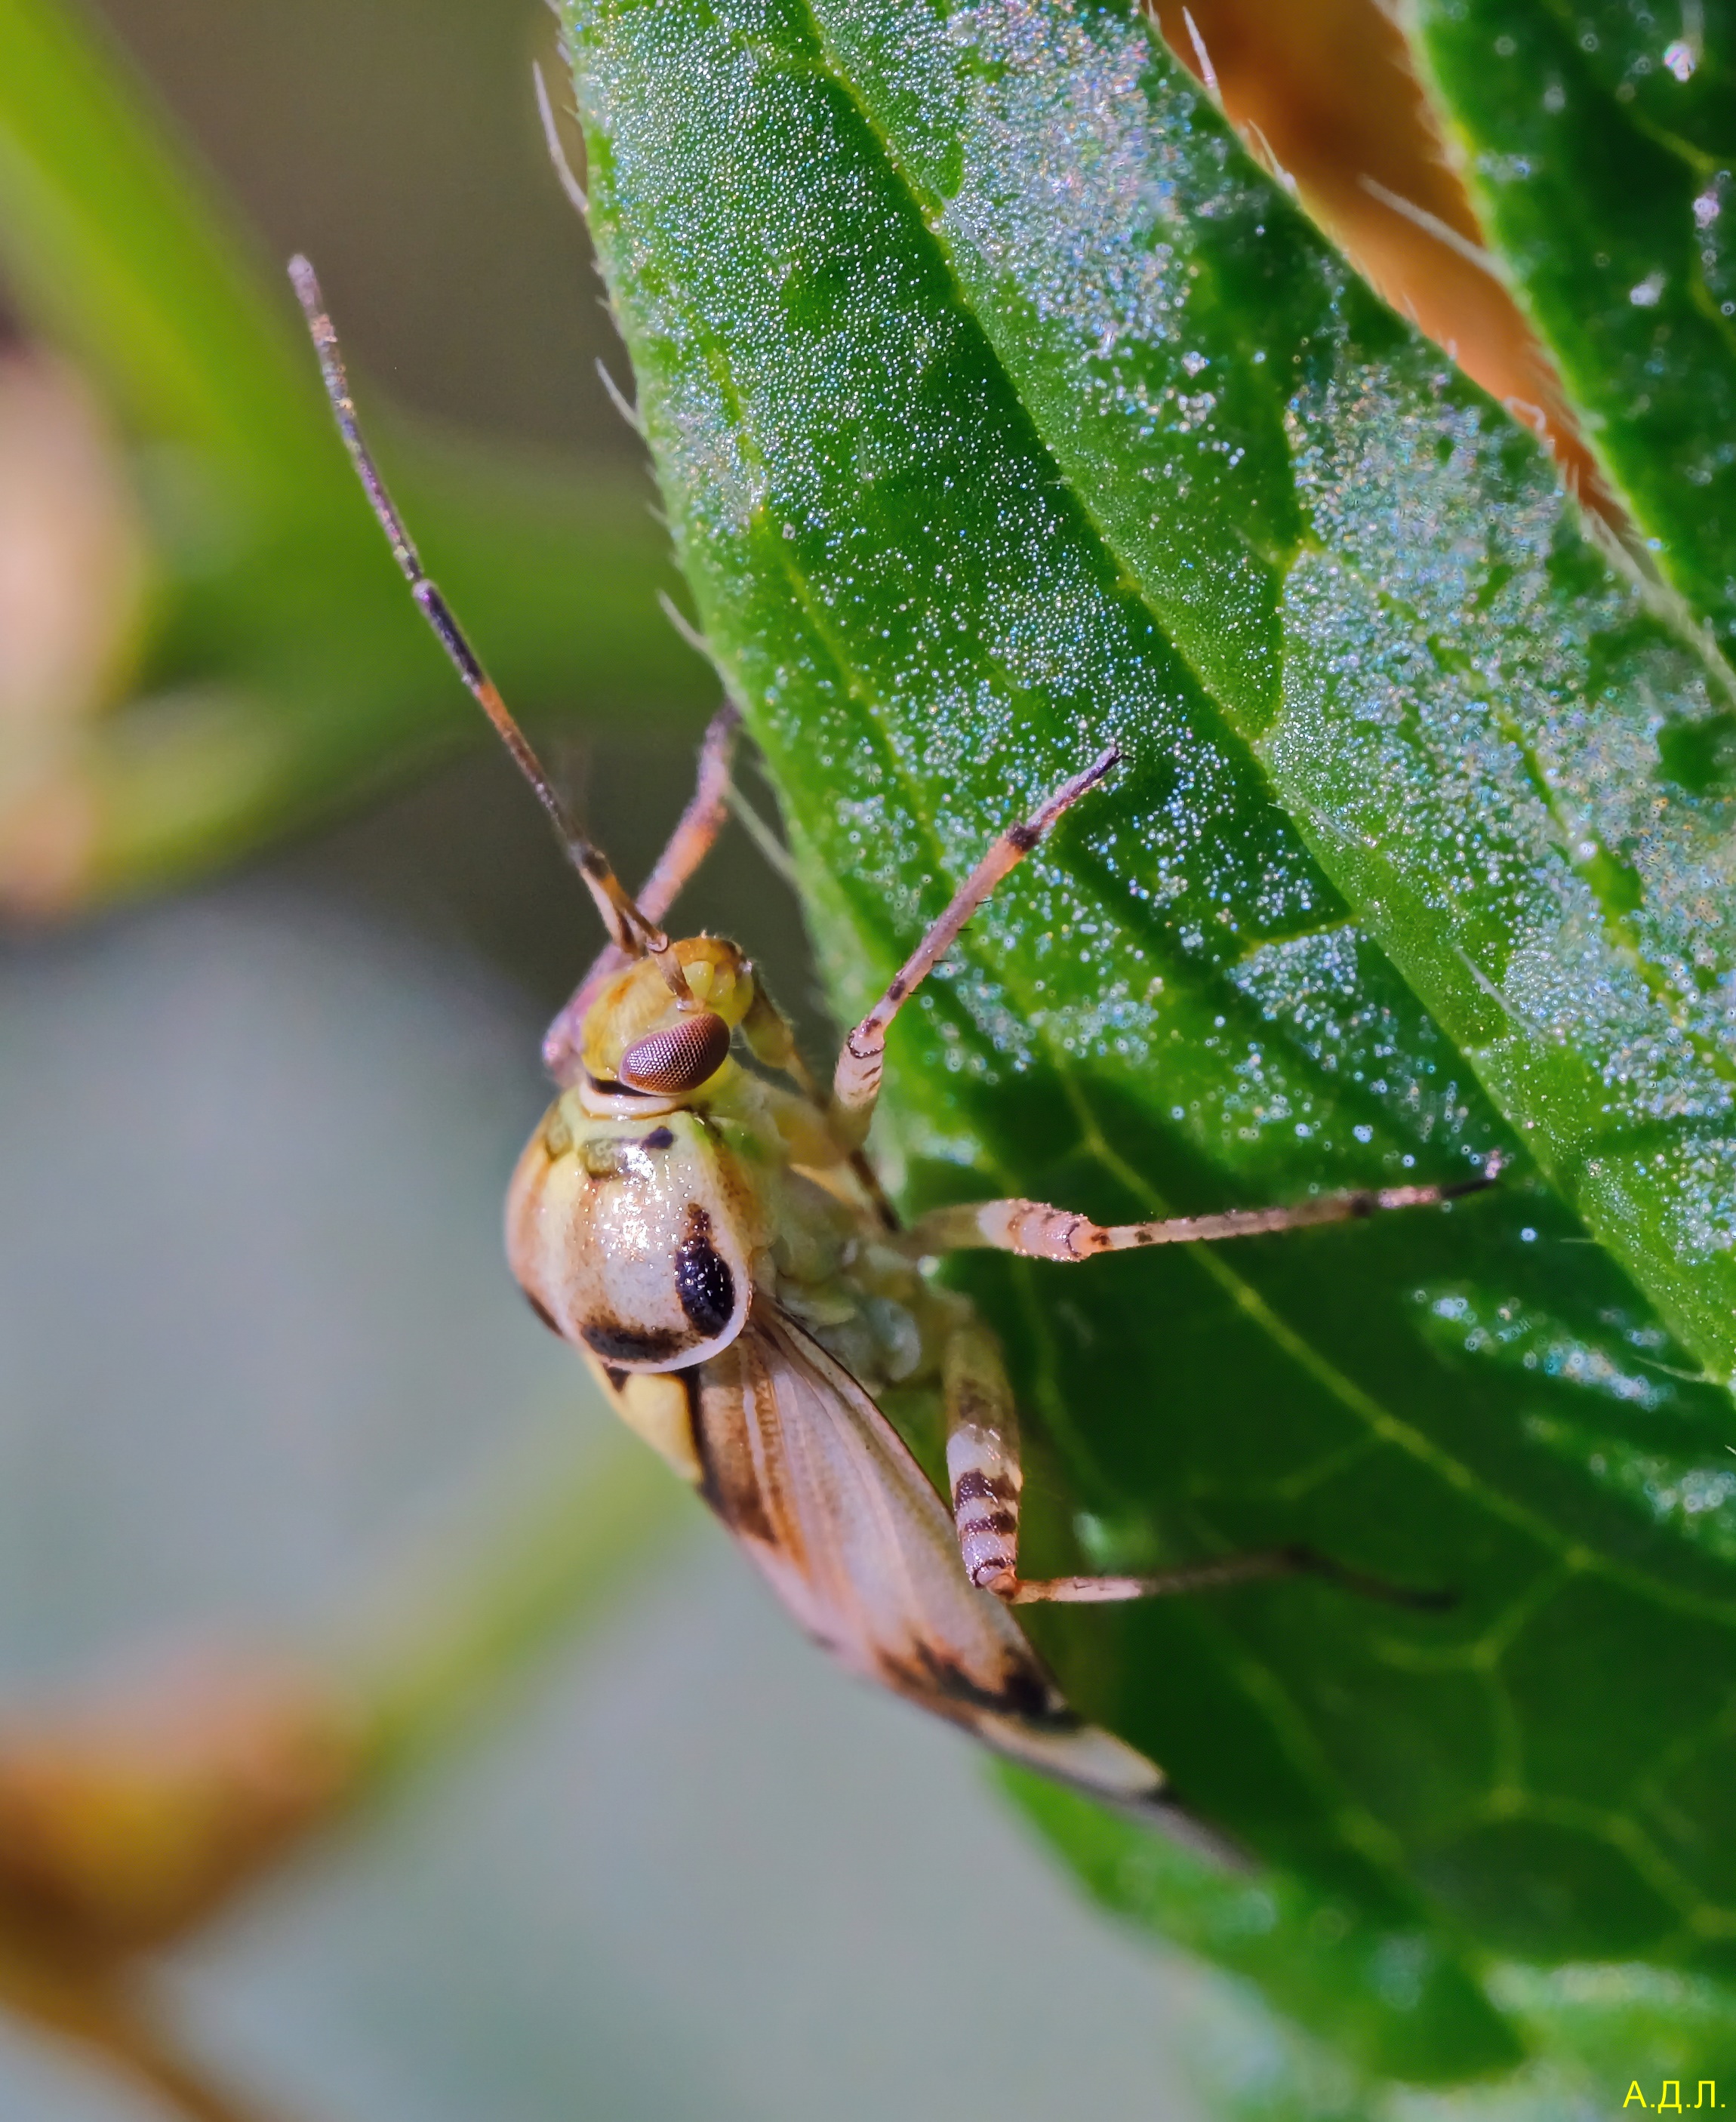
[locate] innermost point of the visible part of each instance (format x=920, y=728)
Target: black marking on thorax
x=616, y=1342
x=704, y=1281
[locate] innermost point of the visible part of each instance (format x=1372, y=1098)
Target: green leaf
x=1602, y=2030
x=1379, y=2001
x=1599, y=140
x=286, y=667
x=1205, y=376
x=1383, y=1995
x=1001, y=407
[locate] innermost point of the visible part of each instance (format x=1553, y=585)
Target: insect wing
x=817, y=1485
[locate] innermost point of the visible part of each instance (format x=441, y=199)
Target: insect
x=712, y=1237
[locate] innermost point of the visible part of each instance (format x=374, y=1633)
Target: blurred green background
x=257, y=1337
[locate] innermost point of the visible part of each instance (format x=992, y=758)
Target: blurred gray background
x=255, y=1331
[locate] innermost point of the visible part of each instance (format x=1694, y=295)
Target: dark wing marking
x=820, y=1490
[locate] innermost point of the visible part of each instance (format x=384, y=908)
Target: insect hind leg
x=985, y=1476
x=982, y=1466
x=1224, y=1572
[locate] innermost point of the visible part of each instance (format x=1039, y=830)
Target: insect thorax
x=634, y=1238
x=645, y=1240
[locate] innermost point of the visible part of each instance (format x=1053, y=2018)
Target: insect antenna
x=632, y=931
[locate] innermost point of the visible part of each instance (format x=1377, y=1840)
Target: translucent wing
x=819, y=1489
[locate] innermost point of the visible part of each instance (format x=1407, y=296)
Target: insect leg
x=1219, y=1576
x=697, y=827
x=982, y=1466
x=771, y=1039
x=1037, y=1231
x=695, y=834
x=985, y=1475
x=856, y=1084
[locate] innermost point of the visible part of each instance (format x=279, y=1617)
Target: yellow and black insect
x=715, y=1242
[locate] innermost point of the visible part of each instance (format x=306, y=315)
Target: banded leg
x=695, y=834
x=982, y=1467
x=856, y=1084
x=1034, y=1231
x=984, y=1474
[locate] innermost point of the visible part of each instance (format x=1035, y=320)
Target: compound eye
x=680, y=1057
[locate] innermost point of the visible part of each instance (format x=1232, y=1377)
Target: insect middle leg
x=1035, y=1231
x=983, y=1448
x=695, y=835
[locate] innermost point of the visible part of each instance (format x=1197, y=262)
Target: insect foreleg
x=697, y=827
x=771, y=1037
x=695, y=834
x=856, y=1086
x=1034, y=1231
